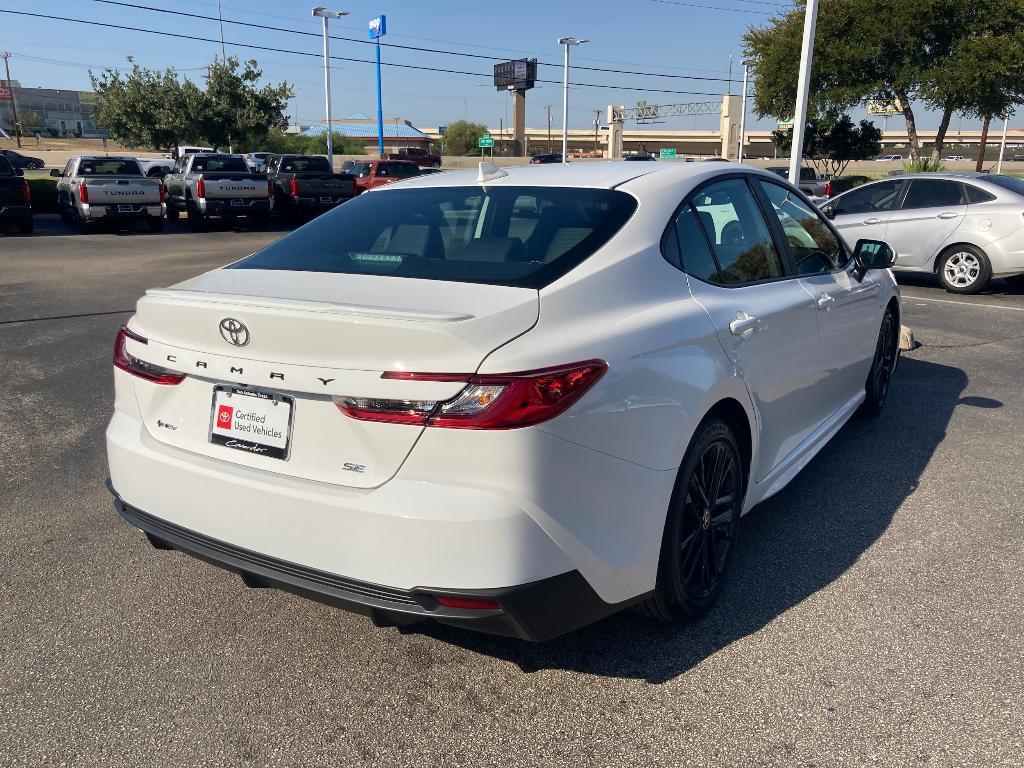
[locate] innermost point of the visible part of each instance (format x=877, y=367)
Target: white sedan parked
x=516, y=401
x=964, y=227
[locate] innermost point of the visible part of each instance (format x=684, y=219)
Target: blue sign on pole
x=379, y=28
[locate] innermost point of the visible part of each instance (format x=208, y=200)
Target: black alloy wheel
x=701, y=527
x=887, y=352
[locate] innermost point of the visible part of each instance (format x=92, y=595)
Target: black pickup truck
x=15, y=199
x=305, y=185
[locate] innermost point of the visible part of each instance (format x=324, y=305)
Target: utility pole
x=547, y=108
x=597, y=124
x=14, y=107
x=802, y=88
x=220, y=17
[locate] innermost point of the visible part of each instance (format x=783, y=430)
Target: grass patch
x=44, y=191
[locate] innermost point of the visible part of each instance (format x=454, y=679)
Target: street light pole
x=1002, y=145
x=802, y=86
x=566, y=42
x=14, y=106
x=743, y=112
x=324, y=14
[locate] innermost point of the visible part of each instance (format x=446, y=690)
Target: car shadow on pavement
x=998, y=286
x=790, y=547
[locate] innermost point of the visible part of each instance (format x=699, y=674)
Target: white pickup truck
x=203, y=185
x=98, y=189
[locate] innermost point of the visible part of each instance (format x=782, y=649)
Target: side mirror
x=19, y=172
x=828, y=211
x=55, y=172
x=872, y=254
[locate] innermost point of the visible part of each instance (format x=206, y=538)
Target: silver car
x=966, y=228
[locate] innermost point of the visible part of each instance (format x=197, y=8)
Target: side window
x=976, y=195
x=686, y=247
x=67, y=168
x=738, y=233
x=933, y=193
x=871, y=198
x=815, y=248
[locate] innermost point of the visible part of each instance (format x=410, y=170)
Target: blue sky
x=660, y=37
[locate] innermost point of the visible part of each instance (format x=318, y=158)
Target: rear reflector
x=488, y=401
x=468, y=603
x=140, y=368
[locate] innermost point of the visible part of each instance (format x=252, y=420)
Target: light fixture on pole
x=743, y=112
x=326, y=15
x=566, y=42
x=803, y=85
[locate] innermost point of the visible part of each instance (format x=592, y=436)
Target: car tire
x=26, y=225
x=964, y=269
x=887, y=354
x=697, y=544
x=83, y=225
x=196, y=218
x=172, y=213
x=259, y=221
x=156, y=223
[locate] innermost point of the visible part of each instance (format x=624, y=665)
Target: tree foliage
x=832, y=143
x=462, y=136
x=146, y=107
x=956, y=57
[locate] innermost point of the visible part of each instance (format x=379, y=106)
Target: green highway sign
x=665, y=153
x=485, y=141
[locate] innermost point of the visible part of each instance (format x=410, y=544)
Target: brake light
x=470, y=603
x=140, y=368
x=27, y=193
x=828, y=189
x=488, y=401
x=83, y=194
x=295, y=187
x=200, y=188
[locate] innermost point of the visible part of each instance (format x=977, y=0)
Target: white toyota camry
x=516, y=401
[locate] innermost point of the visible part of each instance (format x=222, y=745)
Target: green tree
x=143, y=107
x=234, y=108
x=462, y=136
x=833, y=142
x=903, y=50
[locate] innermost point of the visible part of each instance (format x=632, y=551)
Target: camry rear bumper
x=535, y=611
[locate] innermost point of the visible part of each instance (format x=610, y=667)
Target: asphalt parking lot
x=875, y=614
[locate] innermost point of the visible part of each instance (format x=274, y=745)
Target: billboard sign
x=6, y=94
x=378, y=27
x=884, y=108
x=518, y=74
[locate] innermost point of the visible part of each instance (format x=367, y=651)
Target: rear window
x=1011, y=183
x=109, y=168
x=517, y=236
x=219, y=163
x=400, y=170
x=305, y=165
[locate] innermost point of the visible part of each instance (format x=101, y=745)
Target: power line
x=419, y=49
x=440, y=70
x=717, y=7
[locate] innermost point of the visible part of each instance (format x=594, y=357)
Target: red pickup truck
x=376, y=173
x=416, y=155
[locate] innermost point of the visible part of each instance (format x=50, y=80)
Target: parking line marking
x=967, y=303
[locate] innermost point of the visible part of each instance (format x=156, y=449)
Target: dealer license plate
x=326, y=200
x=249, y=420
x=237, y=203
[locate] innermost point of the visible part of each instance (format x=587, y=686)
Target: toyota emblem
x=234, y=331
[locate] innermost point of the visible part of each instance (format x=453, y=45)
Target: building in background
x=397, y=132
x=51, y=113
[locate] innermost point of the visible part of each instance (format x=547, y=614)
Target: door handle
x=947, y=215
x=825, y=302
x=872, y=221
x=744, y=325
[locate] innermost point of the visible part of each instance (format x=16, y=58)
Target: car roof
x=107, y=157
x=595, y=175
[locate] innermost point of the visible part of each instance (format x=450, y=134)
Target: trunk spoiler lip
x=235, y=300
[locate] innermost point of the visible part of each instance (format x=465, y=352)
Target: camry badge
x=234, y=331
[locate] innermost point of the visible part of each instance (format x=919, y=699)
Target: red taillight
x=468, y=603
x=141, y=368
x=270, y=187
x=200, y=188
x=83, y=194
x=488, y=401
x=295, y=187
x=828, y=189
x=163, y=193
x=27, y=193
